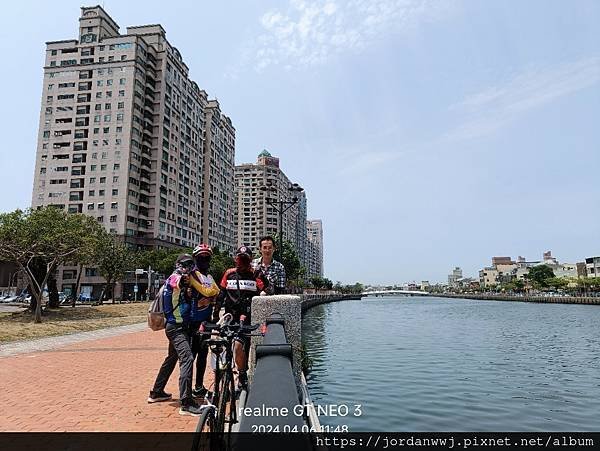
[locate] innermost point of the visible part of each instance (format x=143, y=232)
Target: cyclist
x=178, y=312
x=238, y=286
x=204, y=291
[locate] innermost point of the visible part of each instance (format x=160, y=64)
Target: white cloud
x=310, y=32
x=489, y=110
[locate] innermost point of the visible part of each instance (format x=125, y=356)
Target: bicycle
x=213, y=418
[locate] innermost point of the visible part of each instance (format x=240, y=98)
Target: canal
x=433, y=364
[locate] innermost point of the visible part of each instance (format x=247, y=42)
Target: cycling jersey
x=204, y=294
x=237, y=289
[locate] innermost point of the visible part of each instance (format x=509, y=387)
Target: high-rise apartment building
x=255, y=216
x=219, y=169
x=127, y=137
x=315, y=248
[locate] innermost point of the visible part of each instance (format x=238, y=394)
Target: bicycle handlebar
x=208, y=328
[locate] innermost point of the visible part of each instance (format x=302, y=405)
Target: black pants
x=179, y=349
x=200, y=353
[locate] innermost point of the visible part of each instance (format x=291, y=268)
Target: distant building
x=502, y=261
x=548, y=258
x=456, y=275
x=592, y=266
x=255, y=217
x=314, y=260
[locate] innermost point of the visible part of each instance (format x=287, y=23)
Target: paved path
x=90, y=381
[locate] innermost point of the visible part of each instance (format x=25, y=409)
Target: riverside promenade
x=525, y=298
x=89, y=382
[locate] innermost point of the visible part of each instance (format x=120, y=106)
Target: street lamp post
x=281, y=205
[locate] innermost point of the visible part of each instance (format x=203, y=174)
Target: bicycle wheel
x=206, y=437
x=222, y=401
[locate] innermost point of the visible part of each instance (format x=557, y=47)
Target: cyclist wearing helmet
x=178, y=306
x=204, y=291
x=238, y=286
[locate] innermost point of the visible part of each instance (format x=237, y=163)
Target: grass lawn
x=66, y=320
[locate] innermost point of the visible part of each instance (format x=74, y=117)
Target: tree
x=219, y=263
x=539, y=275
x=288, y=256
x=113, y=259
x=328, y=284
x=161, y=260
x=317, y=282
x=557, y=282
x=47, y=237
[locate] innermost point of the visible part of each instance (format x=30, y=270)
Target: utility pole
x=149, y=283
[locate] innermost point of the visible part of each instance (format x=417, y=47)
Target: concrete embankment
x=526, y=298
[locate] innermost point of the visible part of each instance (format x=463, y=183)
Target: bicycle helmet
x=184, y=260
x=202, y=249
x=244, y=251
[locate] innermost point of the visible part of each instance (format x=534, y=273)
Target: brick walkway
x=100, y=384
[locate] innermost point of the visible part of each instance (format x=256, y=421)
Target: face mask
x=242, y=262
x=202, y=262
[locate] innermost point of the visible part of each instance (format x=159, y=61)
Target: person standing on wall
x=271, y=268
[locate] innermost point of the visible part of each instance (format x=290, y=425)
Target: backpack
x=156, y=312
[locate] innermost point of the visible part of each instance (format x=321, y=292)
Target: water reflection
x=422, y=364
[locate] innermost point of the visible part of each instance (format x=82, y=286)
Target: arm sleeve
x=168, y=299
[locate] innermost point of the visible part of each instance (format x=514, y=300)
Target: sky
x=427, y=134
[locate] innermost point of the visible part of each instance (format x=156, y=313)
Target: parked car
x=10, y=298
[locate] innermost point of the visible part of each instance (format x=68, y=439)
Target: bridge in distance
x=395, y=293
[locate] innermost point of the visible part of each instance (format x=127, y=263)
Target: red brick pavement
x=96, y=385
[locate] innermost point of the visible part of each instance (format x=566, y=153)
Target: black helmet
x=244, y=251
x=185, y=260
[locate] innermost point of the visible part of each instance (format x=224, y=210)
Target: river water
x=435, y=364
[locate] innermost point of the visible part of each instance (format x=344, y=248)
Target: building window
x=115, y=192
x=121, y=93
